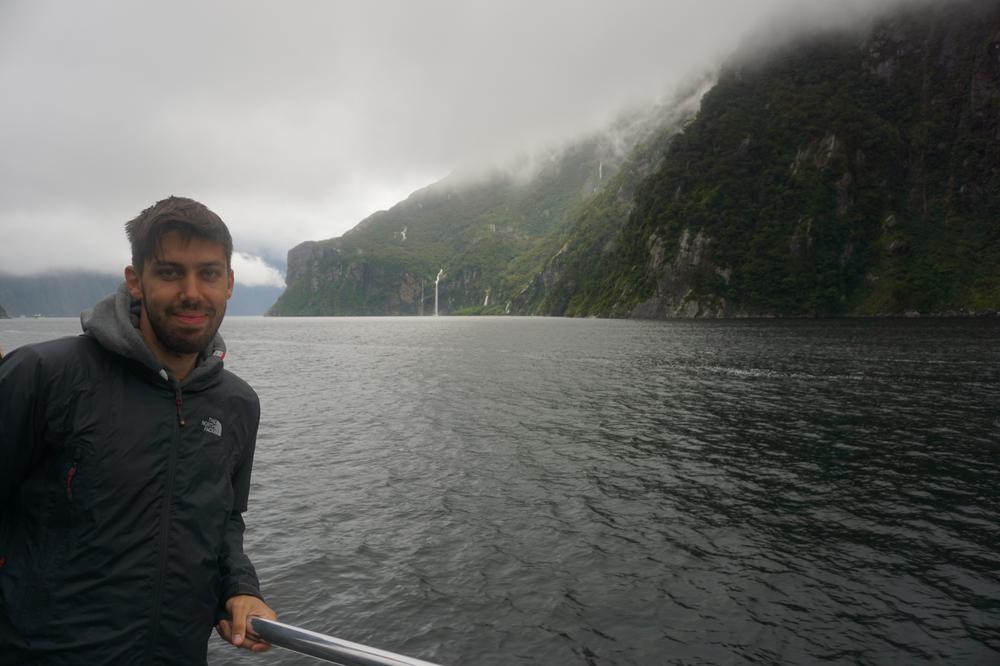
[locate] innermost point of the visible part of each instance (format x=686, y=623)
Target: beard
x=177, y=339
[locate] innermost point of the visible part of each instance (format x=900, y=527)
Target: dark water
x=547, y=491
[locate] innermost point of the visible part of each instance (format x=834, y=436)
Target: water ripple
x=532, y=491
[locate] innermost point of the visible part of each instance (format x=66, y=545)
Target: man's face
x=183, y=292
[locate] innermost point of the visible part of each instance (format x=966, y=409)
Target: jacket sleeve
x=237, y=572
x=22, y=420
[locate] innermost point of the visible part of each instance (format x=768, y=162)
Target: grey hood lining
x=114, y=323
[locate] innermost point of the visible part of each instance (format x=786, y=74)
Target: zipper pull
x=179, y=402
x=69, y=481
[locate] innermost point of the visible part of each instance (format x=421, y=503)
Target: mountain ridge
x=489, y=232
x=844, y=175
x=849, y=172
x=68, y=293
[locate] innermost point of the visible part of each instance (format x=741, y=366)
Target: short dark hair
x=185, y=216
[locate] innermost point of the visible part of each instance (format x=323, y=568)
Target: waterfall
x=436, y=281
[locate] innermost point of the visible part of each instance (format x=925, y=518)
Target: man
x=125, y=457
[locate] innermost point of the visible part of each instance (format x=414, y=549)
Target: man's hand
x=240, y=608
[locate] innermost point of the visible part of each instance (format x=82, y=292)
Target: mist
x=294, y=122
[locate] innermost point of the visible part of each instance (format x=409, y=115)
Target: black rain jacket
x=121, y=493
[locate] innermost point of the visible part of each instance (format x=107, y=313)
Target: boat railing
x=327, y=648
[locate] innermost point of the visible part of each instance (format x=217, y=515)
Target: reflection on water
x=545, y=491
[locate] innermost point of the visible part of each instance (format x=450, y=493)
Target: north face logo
x=213, y=426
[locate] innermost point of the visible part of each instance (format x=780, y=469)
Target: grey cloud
x=295, y=120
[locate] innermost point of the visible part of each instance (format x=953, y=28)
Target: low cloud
x=255, y=272
x=294, y=122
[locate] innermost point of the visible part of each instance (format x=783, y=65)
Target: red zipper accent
x=179, y=402
x=69, y=482
x=3, y=562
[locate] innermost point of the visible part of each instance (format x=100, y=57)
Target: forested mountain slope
x=67, y=293
x=487, y=234
x=847, y=173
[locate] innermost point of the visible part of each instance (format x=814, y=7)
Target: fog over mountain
x=295, y=122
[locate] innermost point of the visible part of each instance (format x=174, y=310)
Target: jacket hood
x=114, y=323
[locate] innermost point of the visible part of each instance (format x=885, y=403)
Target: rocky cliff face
x=845, y=174
x=325, y=278
x=485, y=234
x=3, y=313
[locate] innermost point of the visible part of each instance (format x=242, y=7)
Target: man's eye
x=167, y=273
x=210, y=274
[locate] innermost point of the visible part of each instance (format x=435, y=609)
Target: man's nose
x=190, y=289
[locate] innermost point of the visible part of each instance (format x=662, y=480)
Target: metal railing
x=326, y=647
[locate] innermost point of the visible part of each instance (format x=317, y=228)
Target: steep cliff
x=3, y=313
x=847, y=173
x=486, y=234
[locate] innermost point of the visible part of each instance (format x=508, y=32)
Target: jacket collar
x=114, y=323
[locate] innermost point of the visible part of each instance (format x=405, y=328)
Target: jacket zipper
x=69, y=481
x=179, y=403
x=161, y=564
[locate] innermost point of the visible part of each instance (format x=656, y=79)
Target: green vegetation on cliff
x=854, y=172
x=489, y=233
x=844, y=174
x=471, y=230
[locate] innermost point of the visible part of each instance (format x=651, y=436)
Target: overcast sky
x=295, y=120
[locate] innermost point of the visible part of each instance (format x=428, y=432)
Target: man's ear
x=134, y=283
x=229, y=287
